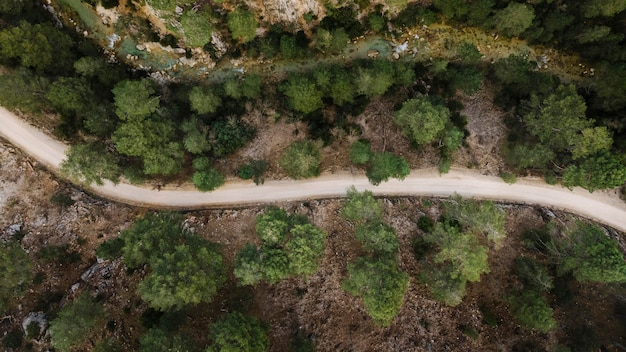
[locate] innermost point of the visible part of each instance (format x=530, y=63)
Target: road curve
x=603, y=207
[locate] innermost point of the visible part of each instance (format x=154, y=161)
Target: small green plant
x=13, y=340
x=61, y=199
x=508, y=177
x=110, y=249
x=469, y=331
x=33, y=330
x=60, y=254
x=425, y=223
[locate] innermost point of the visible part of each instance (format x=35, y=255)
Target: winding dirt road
x=604, y=207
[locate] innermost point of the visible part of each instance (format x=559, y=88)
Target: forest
x=153, y=123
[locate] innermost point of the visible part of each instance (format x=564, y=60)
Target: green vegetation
x=379, y=166
x=380, y=284
x=74, y=323
x=591, y=256
x=422, y=120
x=185, y=269
x=237, y=332
x=291, y=246
x=376, y=278
x=242, y=25
x=532, y=310
x=15, y=273
x=301, y=160
x=90, y=163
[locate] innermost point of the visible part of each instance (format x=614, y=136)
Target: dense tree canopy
x=302, y=93
x=422, y=120
x=514, y=19
x=90, y=163
x=185, y=269
x=204, y=99
x=386, y=165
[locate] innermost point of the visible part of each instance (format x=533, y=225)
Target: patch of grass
x=469, y=331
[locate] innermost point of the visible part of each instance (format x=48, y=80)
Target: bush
x=360, y=152
x=301, y=160
x=74, y=323
x=361, y=206
x=237, y=332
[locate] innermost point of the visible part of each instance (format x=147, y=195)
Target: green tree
x=187, y=274
x=230, y=134
x=467, y=53
x=592, y=141
x=606, y=8
x=40, y=46
x=305, y=249
x=377, y=237
x=196, y=139
x=288, y=47
x=206, y=177
x=254, y=169
x=479, y=12
x=443, y=284
x=236, y=332
x=302, y=94
x=204, y=99
x=513, y=70
x=592, y=34
x=301, y=160
x=185, y=269
x=360, y=152
x=135, y=99
x=71, y=95
x=90, y=163
x=603, y=170
x=514, y=19
x=24, y=90
x=361, y=206
x=482, y=217
x=532, y=310
x=196, y=28
x=158, y=340
x=461, y=250
x=15, y=273
x=380, y=284
x=74, y=323
x=385, y=165
x=559, y=119
x=151, y=236
x=13, y=7
x=534, y=275
x=376, y=80
x=275, y=264
x=421, y=120
x=272, y=226
x=341, y=87
x=242, y=25
x=248, y=268
x=452, y=9
x=151, y=139
x=591, y=256
x=466, y=79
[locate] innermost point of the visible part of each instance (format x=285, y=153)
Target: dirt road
x=604, y=207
